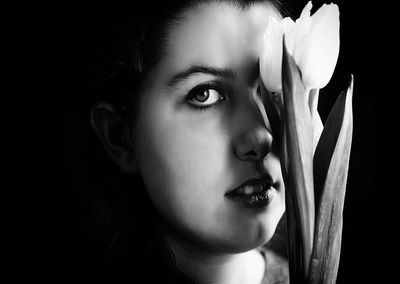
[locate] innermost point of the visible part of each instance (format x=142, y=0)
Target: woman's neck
x=208, y=267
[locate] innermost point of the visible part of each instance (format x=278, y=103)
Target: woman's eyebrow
x=220, y=72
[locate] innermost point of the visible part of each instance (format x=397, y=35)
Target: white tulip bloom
x=313, y=41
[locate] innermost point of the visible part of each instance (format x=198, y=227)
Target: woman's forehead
x=218, y=35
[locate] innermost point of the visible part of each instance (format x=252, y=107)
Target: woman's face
x=202, y=131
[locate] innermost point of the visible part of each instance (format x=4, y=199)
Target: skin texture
x=190, y=158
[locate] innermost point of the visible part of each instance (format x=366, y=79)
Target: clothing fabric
x=276, y=267
x=157, y=268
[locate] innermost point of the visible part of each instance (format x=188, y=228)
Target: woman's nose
x=254, y=144
x=253, y=139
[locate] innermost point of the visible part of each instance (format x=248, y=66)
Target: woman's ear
x=114, y=134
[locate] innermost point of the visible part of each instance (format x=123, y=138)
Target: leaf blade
x=331, y=158
x=298, y=143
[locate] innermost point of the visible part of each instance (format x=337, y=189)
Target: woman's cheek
x=183, y=160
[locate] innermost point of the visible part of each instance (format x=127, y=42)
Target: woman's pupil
x=203, y=96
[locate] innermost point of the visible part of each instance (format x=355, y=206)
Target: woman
x=181, y=163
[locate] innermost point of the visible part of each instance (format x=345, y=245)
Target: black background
x=362, y=258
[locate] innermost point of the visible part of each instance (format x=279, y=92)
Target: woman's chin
x=249, y=240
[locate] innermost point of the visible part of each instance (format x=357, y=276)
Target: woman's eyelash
x=204, y=97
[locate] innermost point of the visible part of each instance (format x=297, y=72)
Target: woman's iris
x=205, y=97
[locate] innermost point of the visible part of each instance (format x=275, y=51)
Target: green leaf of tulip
x=331, y=162
x=297, y=157
x=298, y=59
x=271, y=110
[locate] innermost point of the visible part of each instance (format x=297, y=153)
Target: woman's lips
x=254, y=193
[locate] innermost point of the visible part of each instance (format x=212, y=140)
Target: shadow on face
x=202, y=131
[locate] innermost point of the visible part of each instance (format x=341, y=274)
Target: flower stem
x=317, y=123
x=298, y=143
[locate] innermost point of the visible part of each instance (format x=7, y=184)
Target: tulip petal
x=301, y=33
x=271, y=58
x=306, y=12
x=289, y=29
x=321, y=50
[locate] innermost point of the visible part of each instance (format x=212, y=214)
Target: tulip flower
x=299, y=58
x=313, y=41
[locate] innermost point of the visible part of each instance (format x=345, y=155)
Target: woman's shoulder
x=276, y=267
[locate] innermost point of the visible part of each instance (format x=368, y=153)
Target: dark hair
x=120, y=46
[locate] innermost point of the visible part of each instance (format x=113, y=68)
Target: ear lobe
x=109, y=126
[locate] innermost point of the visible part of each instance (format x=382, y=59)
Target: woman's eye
x=205, y=97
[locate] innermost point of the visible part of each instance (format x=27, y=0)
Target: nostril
x=253, y=145
x=252, y=154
